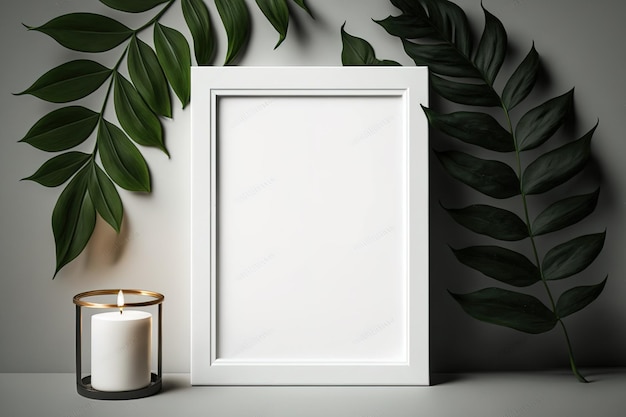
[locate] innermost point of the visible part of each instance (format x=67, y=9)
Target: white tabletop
x=546, y=394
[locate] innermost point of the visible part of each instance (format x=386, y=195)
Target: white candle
x=120, y=349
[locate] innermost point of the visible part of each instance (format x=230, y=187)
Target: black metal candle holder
x=83, y=384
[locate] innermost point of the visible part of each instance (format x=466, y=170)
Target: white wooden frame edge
x=208, y=84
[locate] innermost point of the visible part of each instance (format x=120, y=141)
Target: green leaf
x=277, y=14
x=491, y=221
x=407, y=26
x=357, y=51
x=518, y=311
x=141, y=124
x=450, y=22
x=540, y=123
x=236, y=21
x=465, y=93
x=557, y=166
x=73, y=220
x=173, y=53
x=442, y=59
x=478, y=129
x=86, y=32
x=304, y=7
x=410, y=7
x=105, y=197
x=573, y=256
x=62, y=129
x=491, y=48
x=198, y=20
x=447, y=21
x=70, y=81
x=500, y=263
x=121, y=159
x=493, y=178
x=565, y=213
x=577, y=298
x=147, y=76
x=133, y=6
x=59, y=169
x=521, y=83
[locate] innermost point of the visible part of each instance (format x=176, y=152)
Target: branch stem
x=572, y=362
x=114, y=70
x=533, y=243
x=156, y=17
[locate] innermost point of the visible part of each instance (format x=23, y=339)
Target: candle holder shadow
x=83, y=384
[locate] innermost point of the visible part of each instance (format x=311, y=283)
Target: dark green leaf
x=105, y=197
x=441, y=59
x=540, y=123
x=303, y=5
x=410, y=7
x=121, y=159
x=557, y=166
x=508, y=308
x=465, y=93
x=277, y=14
x=522, y=81
x=492, y=48
x=357, y=51
x=451, y=23
x=407, y=27
x=571, y=257
x=476, y=128
x=173, y=53
x=578, y=298
x=62, y=129
x=86, y=32
x=491, y=221
x=70, y=81
x=141, y=124
x=73, y=220
x=499, y=263
x=198, y=20
x=493, y=178
x=236, y=20
x=59, y=169
x=147, y=76
x=133, y=6
x=565, y=213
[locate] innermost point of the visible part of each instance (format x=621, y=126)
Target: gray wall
x=581, y=44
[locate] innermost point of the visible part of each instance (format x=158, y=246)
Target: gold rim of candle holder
x=83, y=384
x=78, y=298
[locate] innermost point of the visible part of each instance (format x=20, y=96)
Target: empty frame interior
x=312, y=237
x=308, y=261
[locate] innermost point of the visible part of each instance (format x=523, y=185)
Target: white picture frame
x=309, y=250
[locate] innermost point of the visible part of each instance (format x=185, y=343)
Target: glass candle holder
x=121, y=346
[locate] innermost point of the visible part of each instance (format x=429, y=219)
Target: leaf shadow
x=106, y=247
x=297, y=25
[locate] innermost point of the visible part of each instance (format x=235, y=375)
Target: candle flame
x=120, y=300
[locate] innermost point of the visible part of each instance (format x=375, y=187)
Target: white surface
x=309, y=195
x=311, y=235
x=580, y=44
x=541, y=394
x=120, y=350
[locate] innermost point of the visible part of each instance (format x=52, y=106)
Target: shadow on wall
x=458, y=342
x=107, y=247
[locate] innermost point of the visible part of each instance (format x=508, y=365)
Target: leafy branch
x=436, y=33
x=93, y=178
